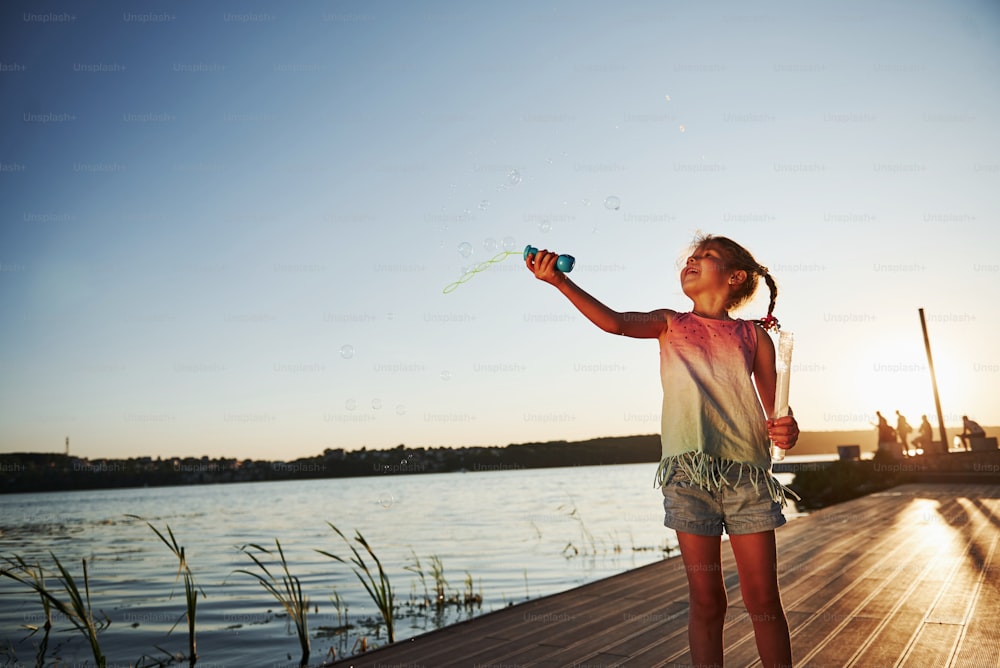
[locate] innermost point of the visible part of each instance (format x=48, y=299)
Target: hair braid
x=769, y=321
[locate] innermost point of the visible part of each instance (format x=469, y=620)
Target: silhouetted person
x=886, y=435
x=903, y=430
x=924, y=438
x=970, y=430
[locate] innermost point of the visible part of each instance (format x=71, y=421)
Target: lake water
x=513, y=535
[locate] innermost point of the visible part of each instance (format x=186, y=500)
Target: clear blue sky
x=226, y=226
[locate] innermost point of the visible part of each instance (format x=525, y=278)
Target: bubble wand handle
x=782, y=365
x=564, y=263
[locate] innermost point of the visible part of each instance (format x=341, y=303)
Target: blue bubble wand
x=564, y=263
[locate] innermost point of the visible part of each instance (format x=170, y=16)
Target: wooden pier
x=905, y=577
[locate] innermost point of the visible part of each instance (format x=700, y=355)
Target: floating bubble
x=612, y=202
x=667, y=97
x=465, y=249
x=350, y=404
x=386, y=499
x=347, y=351
x=485, y=204
x=376, y=404
x=585, y=201
x=491, y=245
x=545, y=226
x=446, y=375
x=400, y=409
x=509, y=243
x=513, y=177
x=682, y=128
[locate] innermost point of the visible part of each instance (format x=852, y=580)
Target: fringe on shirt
x=711, y=474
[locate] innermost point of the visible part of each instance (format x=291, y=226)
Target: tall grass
x=286, y=589
x=440, y=583
x=418, y=569
x=191, y=590
x=38, y=578
x=379, y=589
x=77, y=609
x=588, y=543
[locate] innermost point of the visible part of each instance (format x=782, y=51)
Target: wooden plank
x=934, y=646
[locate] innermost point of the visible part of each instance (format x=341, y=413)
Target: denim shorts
x=736, y=507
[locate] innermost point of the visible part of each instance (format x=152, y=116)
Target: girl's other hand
x=783, y=431
x=543, y=265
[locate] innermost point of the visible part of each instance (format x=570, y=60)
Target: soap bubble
x=612, y=202
x=585, y=201
x=400, y=409
x=350, y=404
x=446, y=375
x=465, y=249
x=490, y=245
x=376, y=404
x=347, y=351
x=485, y=204
x=682, y=128
x=386, y=499
x=509, y=243
x=667, y=98
x=545, y=226
x=513, y=177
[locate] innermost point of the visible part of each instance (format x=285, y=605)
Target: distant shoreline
x=42, y=472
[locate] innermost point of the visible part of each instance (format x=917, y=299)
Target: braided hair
x=736, y=257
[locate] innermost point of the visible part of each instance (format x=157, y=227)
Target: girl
x=715, y=473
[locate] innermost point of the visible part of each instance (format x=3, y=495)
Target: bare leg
x=707, y=591
x=756, y=561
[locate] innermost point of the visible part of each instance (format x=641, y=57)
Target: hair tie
x=769, y=322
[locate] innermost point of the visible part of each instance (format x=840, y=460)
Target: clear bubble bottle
x=783, y=366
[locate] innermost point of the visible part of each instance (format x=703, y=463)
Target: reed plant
x=470, y=598
x=340, y=606
x=191, y=590
x=418, y=569
x=77, y=609
x=588, y=543
x=38, y=578
x=286, y=589
x=379, y=589
x=440, y=583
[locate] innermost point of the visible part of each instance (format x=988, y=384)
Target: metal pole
x=937, y=398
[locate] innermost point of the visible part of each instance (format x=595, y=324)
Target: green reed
x=38, y=582
x=588, y=542
x=380, y=590
x=418, y=569
x=191, y=590
x=78, y=609
x=440, y=584
x=286, y=589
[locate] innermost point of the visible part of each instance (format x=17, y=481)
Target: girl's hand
x=543, y=265
x=783, y=431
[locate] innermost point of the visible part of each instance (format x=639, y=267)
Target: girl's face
x=704, y=270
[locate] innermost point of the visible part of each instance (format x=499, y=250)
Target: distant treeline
x=44, y=472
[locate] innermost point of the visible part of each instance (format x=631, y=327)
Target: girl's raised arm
x=635, y=324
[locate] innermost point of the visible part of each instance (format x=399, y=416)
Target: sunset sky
x=227, y=226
